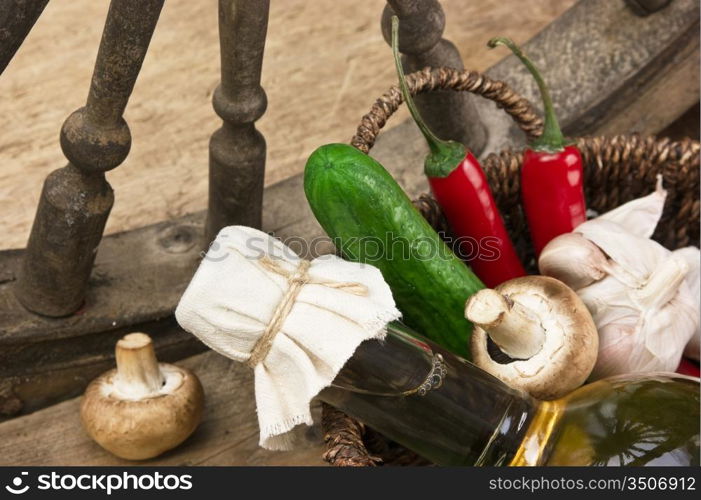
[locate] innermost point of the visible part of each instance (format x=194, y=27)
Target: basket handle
x=430, y=79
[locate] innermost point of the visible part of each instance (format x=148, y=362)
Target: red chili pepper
x=552, y=183
x=462, y=191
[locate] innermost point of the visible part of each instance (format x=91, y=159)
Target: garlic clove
x=640, y=216
x=618, y=348
x=608, y=302
x=662, y=285
x=667, y=331
x=574, y=260
x=693, y=279
x=669, y=315
x=635, y=255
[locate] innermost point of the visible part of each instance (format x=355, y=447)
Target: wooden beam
x=609, y=70
x=228, y=434
x=138, y=278
x=36, y=375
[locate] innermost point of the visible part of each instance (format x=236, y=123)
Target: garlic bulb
x=573, y=260
x=640, y=216
x=638, y=292
x=693, y=259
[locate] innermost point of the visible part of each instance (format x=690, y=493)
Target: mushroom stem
x=510, y=325
x=138, y=374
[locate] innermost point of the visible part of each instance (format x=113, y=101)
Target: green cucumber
x=371, y=220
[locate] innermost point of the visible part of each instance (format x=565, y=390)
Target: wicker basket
x=616, y=170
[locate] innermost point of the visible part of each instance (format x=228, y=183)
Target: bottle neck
x=444, y=408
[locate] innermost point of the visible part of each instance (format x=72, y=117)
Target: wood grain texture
x=639, y=65
x=609, y=70
x=17, y=17
x=228, y=434
x=339, y=66
x=139, y=276
x=324, y=63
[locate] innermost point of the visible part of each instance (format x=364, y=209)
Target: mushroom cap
x=571, y=341
x=143, y=428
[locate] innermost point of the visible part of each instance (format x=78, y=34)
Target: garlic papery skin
x=640, y=216
x=643, y=305
x=642, y=329
x=574, y=260
x=693, y=259
x=582, y=257
x=662, y=285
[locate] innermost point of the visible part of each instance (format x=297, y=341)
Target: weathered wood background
x=227, y=436
x=325, y=61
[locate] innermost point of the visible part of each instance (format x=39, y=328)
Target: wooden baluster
x=451, y=115
x=237, y=149
x=646, y=7
x=16, y=20
x=76, y=200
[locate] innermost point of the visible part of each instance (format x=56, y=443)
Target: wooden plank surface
x=586, y=88
x=228, y=434
x=170, y=180
x=140, y=275
x=325, y=62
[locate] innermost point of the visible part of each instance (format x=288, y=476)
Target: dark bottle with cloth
x=326, y=328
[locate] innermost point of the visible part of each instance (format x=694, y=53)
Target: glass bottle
x=453, y=413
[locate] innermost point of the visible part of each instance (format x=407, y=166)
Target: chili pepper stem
x=445, y=156
x=552, y=139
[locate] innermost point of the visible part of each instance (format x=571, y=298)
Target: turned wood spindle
x=16, y=20
x=237, y=150
x=646, y=7
x=450, y=115
x=76, y=199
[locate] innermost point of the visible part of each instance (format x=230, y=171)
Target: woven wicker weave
x=616, y=170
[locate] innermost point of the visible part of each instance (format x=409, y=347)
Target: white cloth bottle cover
x=295, y=322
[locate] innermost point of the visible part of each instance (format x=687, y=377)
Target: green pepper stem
x=552, y=139
x=445, y=155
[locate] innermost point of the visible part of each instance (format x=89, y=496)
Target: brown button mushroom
x=544, y=340
x=142, y=408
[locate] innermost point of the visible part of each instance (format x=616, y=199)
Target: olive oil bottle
x=453, y=413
